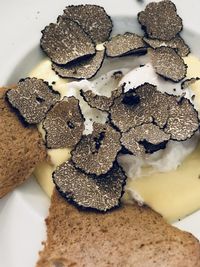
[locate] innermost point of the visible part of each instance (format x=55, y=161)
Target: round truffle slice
x=127, y=112
x=66, y=41
x=153, y=103
x=125, y=44
x=141, y=139
x=93, y=19
x=32, y=98
x=96, y=152
x=81, y=69
x=176, y=43
x=183, y=119
x=98, y=101
x=89, y=191
x=142, y=105
x=160, y=20
x=64, y=124
x=168, y=64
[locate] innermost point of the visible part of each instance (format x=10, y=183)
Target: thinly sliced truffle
x=125, y=44
x=66, y=41
x=100, y=102
x=64, y=124
x=186, y=83
x=136, y=140
x=176, y=43
x=168, y=64
x=154, y=103
x=96, y=152
x=32, y=98
x=183, y=119
x=81, y=69
x=93, y=19
x=142, y=105
x=125, y=116
x=89, y=191
x=160, y=20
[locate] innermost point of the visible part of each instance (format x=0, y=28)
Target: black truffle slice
x=125, y=44
x=96, y=152
x=81, y=69
x=66, y=41
x=32, y=98
x=160, y=20
x=183, y=119
x=168, y=64
x=64, y=124
x=124, y=116
x=176, y=43
x=93, y=19
x=100, y=102
x=186, y=83
x=154, y=103
x=142, y=105
x=89, y=191
x=136, y=139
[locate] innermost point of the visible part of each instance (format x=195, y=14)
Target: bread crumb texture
x=21, y=148
x=128, y=236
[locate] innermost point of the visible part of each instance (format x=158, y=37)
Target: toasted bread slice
x=130, y=236
x=21, y=148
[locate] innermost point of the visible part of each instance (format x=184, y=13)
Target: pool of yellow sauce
x=174, y=194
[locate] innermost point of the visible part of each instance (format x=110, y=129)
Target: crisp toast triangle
x=21, y=147
x=128, y=236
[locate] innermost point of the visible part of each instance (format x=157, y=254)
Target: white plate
x=22, y=212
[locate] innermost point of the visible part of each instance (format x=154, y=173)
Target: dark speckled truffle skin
x=125, y=44
x=32, y=98
x=150, y=133
x=183, y=119
x=81, y=69
x=96, y=152
x=95, y=192
x=168, y=63
x=160, y=20
x=93, y=19
x=66, y=41
x=100, y=102
x=176, y=43
x=64, y=124
x=176, y=117
x=150, y=105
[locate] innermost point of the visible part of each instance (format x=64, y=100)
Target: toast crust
x=21, y=147
x=128, y=236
